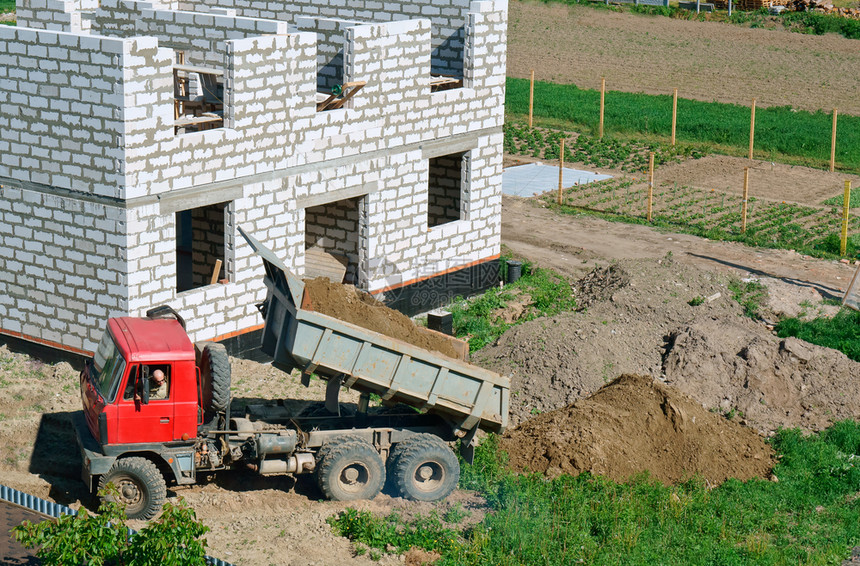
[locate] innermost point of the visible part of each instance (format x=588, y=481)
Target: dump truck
x=142, y=442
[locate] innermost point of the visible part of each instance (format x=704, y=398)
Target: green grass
x=810, y=516
x=842, y=332
x=7, y=6
x=781, y=133
x=478, y=318
x=751, y=295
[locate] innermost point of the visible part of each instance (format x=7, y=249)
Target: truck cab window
x=159, y=382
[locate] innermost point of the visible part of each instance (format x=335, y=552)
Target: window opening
x=203, y=246
x=340, y=95
x=445, y=189
x=331, y=241
x=198, y=93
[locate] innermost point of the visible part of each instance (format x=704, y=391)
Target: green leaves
x=173, y=539
x=103, y=538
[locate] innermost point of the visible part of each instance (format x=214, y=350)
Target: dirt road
x=574, y=245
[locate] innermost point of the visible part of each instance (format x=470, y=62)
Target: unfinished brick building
x=136, y=136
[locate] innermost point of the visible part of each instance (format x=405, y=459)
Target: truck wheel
x=423, y=468
x=350, y=469
x=215, y=372
x=140, y=485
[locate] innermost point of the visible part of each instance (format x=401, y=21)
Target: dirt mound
x=347, y=303
x=766, y=381
x=647, y=322
x=555, y=361
x=635, y=424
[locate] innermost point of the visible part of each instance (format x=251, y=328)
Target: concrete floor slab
x=535, y=178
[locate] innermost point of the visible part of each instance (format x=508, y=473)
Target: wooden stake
x=752, y=128
x=833, y=144
x=531, y=97
x=216, y=272
x=602, y=99
x=650, y=184
x=746, y=200
x=560, y=168
x=674, y=114
x=846, y=207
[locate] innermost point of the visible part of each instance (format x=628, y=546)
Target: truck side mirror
x=143, y=382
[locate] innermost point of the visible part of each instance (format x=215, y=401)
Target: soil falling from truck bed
x=348, y=304
x=635, y=424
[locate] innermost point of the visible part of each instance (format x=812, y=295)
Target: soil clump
x=633, y=425
x=348, y=304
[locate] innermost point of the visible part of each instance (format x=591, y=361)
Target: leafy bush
x=103, y=538
x=426, y=532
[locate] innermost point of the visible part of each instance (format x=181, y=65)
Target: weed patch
x=842, y=332
x=751, y=295
x=480, y=319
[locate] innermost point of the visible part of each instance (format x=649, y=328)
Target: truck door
x=141, y=421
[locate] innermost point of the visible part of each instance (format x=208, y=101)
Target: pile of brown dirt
x=633, y=305
x=766, y=381
x=348, y=304
x=635, y=424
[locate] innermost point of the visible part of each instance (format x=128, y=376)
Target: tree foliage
x=102, y=539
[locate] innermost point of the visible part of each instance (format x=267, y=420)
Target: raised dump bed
x=466, y=396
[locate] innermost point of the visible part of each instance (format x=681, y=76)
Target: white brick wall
x=87, y=219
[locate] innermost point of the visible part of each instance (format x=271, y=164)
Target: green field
x=810, y=516
x=7, y=6
x=783, y=134
x=716, y=215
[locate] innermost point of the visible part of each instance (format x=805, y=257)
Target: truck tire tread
x=141, y=475
x=423, y=453
x=216, y=363
x=350, y=455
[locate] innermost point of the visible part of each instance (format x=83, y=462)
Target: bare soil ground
x=768, y=180
x=706, y=61
x=638, y=320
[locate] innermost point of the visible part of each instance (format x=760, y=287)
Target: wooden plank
x=197, y=120
x=200, y=70
x=320, y=263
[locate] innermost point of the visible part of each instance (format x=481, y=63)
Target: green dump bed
x=466, y=396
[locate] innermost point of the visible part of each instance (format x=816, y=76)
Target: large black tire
x=423, y=468
x=215, y=373
x=140, y=486
x=349, y=468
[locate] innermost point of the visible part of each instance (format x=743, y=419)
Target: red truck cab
x=113, y=385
